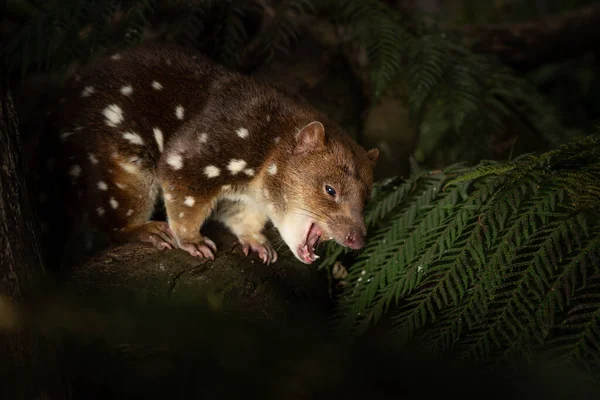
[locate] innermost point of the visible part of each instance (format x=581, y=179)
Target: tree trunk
x=30, y=368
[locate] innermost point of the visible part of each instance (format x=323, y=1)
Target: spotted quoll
x=164, y=122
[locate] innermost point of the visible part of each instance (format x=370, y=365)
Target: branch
x=532, y=43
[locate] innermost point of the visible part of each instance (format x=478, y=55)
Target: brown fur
x=116, y=164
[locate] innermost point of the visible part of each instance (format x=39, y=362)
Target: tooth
x=316, y=257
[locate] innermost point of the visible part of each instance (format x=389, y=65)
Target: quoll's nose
x=355, y=240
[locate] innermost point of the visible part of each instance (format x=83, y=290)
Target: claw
x=203, y=249
x=258, y=244
x=156, y=232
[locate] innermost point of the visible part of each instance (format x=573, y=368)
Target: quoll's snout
x=355, y=240
x=355, y=235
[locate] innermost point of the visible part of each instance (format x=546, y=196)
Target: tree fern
x=478, y=96
x=379, y=30
x=488, y=263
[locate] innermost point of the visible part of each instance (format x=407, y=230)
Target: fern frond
x=511, y=307
x=578, y=340
x=484, y=268
x=380, y=31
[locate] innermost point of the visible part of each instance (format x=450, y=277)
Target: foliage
x=455, y=97
x=494, y=262
x=56, y=33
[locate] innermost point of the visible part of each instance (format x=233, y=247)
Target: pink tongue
x=313, y=235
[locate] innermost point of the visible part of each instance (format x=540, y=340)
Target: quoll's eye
x=330, y=191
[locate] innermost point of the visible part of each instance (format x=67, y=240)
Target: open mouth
x=306, y=250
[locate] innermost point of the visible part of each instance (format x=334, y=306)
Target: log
x=30, y=365
x=233, y=284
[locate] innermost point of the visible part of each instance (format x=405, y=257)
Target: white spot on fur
x=65, y=135
x=121, y=186
x=156, y=85
x=175, y=161
x=179, y=111
x=102, y=185
x=113, y=203
x=168, y=197
x=268, y=118
x=272, y=169
x=225, y=187
x=129, y=212
x=126, y=90
x=113, y=114
x=236, y=166
x=181, y=214
x=271, y=206
x=158, y=136
x=211, y=171
x=133, y=138
x=277, y=139
x=92, y=158
x=203, y=137
x=100, y=211
x=78, y=128
x=266, y=193
x=184, y=229
x=249, y=171
x=242, y=132
x=189, y=201
x=116, y=56
x=129, y=167
x=88, y=91
x=75, y=171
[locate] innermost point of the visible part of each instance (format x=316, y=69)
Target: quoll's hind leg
x=247, y=223
x=122, y=200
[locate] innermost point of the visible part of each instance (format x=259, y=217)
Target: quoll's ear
x=373, y=155
x=310, y=138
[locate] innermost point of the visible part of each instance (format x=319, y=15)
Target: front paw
x=203, y=248
x=259, y=244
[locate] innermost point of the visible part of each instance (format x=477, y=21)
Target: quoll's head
x=327, y=181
